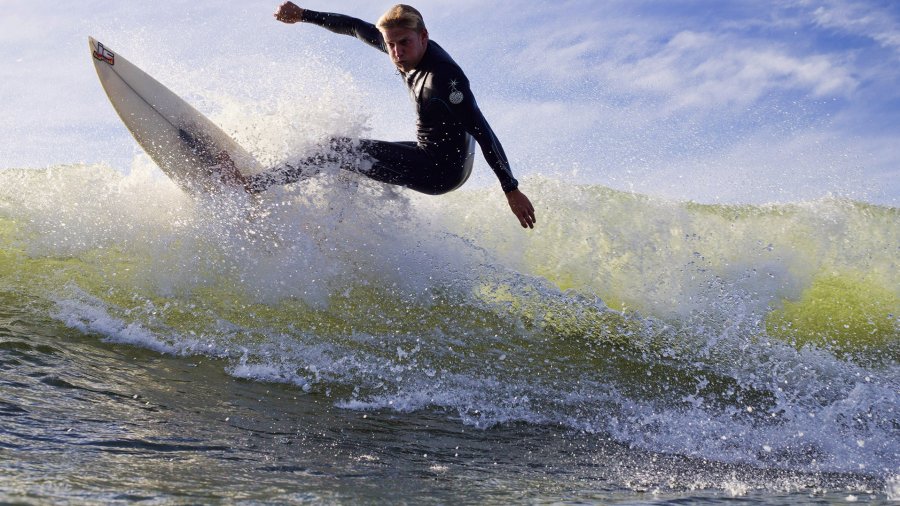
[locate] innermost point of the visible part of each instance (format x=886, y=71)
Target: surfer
x=445, y=106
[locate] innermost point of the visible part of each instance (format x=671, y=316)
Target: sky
x=714, y=101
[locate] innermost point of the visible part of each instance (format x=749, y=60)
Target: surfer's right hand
x=289, y=12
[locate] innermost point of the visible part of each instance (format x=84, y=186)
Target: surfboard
x=185, y=144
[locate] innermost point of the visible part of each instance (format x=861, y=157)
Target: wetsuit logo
x=104, y=54
x=456, y=96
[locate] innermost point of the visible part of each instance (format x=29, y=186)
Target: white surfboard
x=185, y=144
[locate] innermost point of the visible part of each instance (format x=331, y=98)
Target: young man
x=446, y=110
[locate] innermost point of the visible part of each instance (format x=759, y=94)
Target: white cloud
x=704, y=71
x=862, y=19
x=634, y=55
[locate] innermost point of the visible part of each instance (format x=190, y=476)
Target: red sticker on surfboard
x=104, y=54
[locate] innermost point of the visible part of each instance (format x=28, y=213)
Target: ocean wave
x=765, y=335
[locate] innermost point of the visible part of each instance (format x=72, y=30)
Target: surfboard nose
x=93, y=44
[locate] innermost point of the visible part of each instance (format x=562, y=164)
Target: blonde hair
x=401, y=16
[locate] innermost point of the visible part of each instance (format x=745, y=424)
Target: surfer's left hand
x=522, y=208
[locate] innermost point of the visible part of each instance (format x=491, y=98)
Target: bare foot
x=228, y=173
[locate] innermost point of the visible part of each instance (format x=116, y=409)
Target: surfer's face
x=406, y=47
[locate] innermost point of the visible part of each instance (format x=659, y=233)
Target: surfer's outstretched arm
x=451, y=91
x=290, y=13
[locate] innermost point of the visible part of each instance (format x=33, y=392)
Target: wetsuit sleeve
x=346, y=25
x=451, y=87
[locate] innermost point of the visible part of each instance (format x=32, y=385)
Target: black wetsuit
x=446, y=112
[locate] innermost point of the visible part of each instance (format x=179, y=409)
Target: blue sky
x=715, y=101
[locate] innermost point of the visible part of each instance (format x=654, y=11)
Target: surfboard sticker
x=104, y=54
